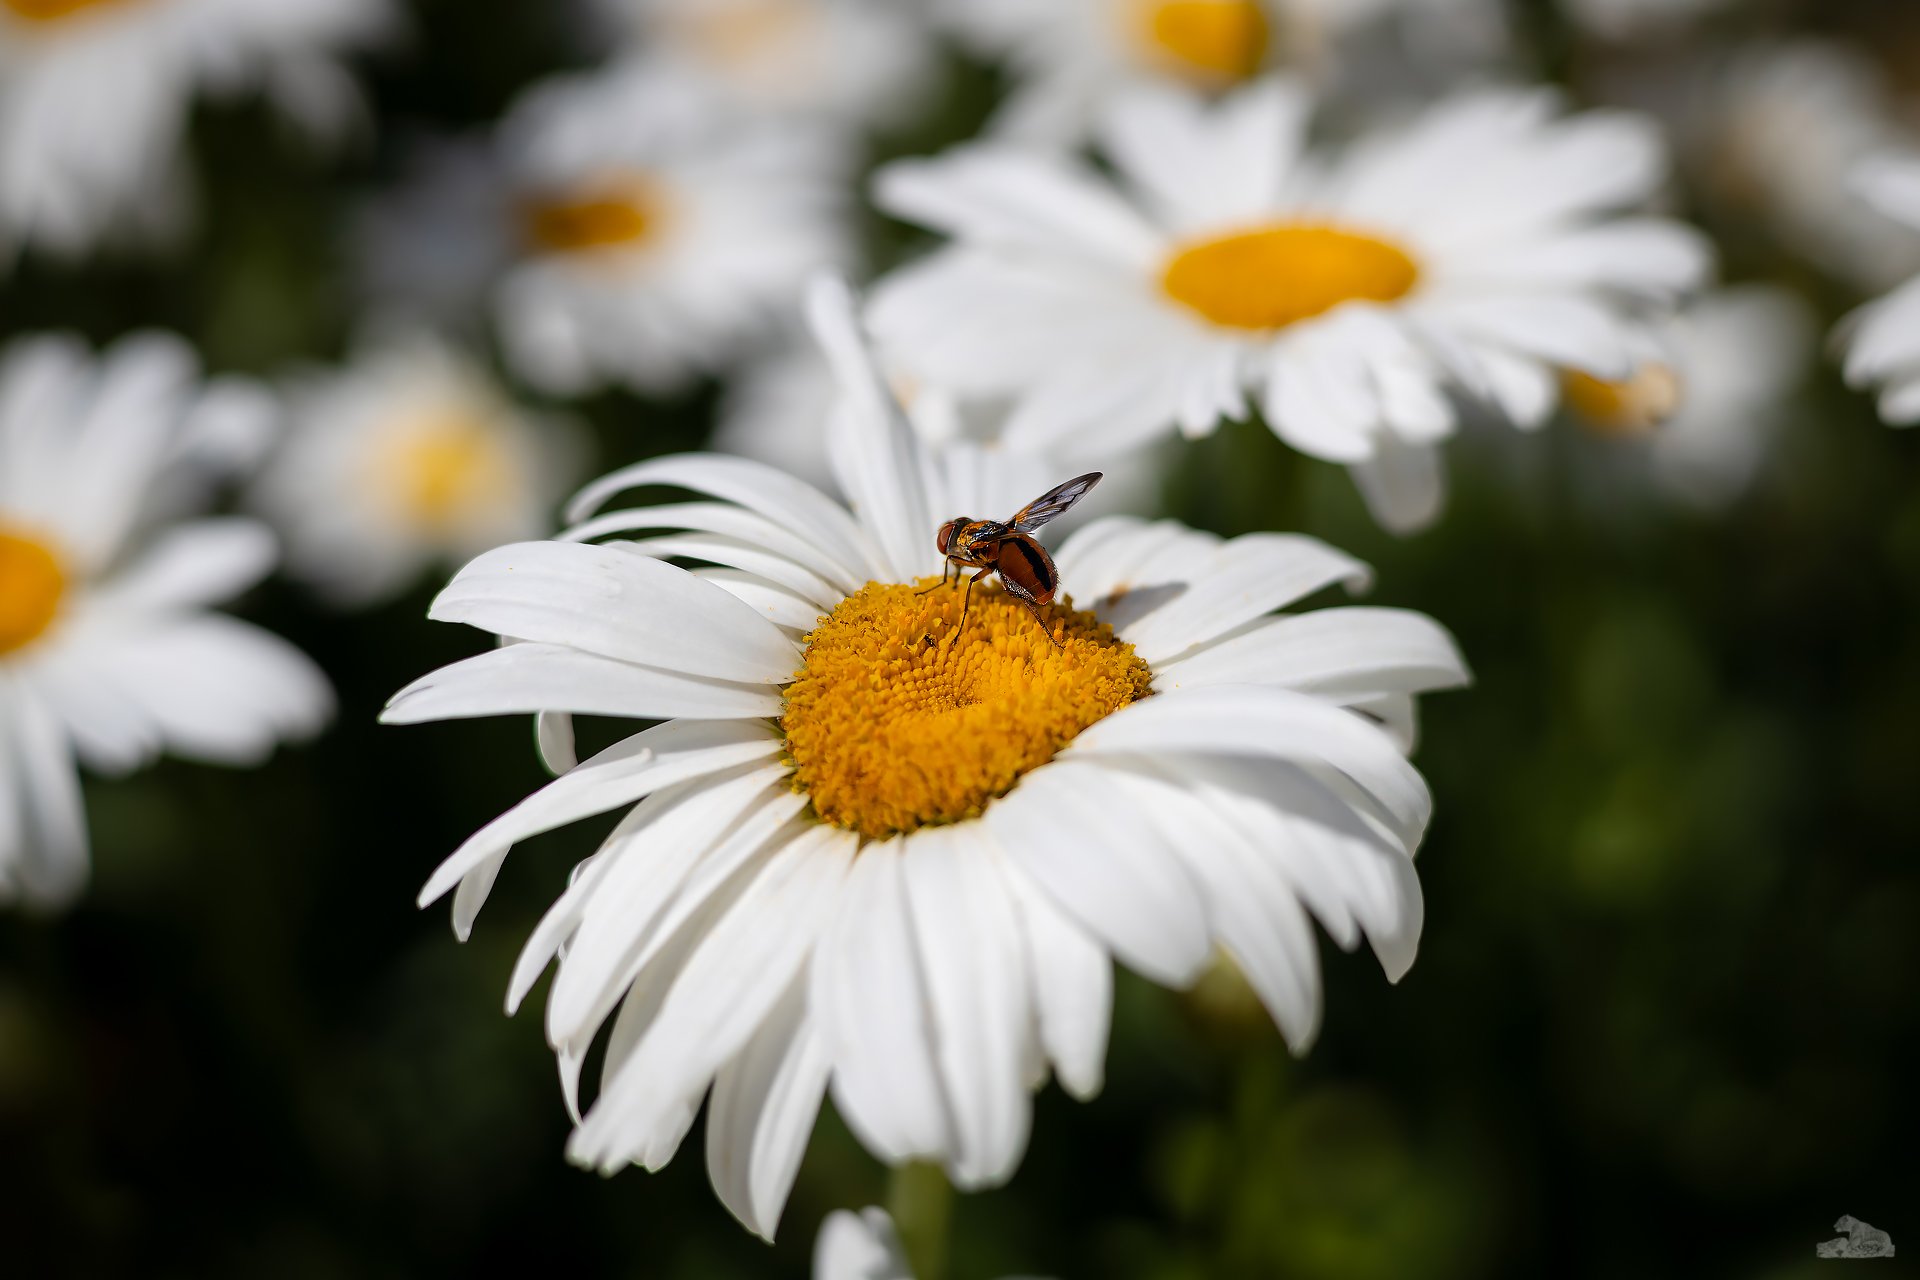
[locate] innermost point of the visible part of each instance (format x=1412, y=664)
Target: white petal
x=202, y=563
x=1275, y=723
x=648, y=856
x=43, y=820
x=859, y=1247
x=730, y=984
x=211, y=687
x=659, y=757
x=1009, y=199
x=1072, y=988
x=809, y=514
x=729, y=521
x=525, y=678
x=1336, y=652
x=617, y=604
x=1404, y=485
x=867, y=992
x=762, y=1112
x=1068, y=828
x=976, y=991
x=876, y=454
x=1235, y=583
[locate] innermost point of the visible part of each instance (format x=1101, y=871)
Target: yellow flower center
x=441, y=470
x=609, y=215
x=904, y=716
x=1629, y=408
x=52, y=10
x=1277, y=276
x=31, y=585
x=1215, y=42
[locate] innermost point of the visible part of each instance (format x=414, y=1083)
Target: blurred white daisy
x=1713, y=395
x=661, y=235
x=1882, y=339
x=885, y=850
x=1068, y=57
x=779, y=404
x=859, y=61
x=109, y=651
x=94, y=97
x=1775, y=133
x=779, y=409
x=1480, y=248
x=860, y=1246
x=409, y=457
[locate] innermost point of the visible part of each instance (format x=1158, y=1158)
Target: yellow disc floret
x=904, y=716
x=618, y=213
x=1280, y=275
x=31, y=585
x=1632, y=407
x=1215, y=42
x=444, y=470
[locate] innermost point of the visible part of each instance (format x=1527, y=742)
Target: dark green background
x=1664, y=1019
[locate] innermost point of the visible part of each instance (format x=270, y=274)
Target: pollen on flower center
x=442, y=468
x=1214, y=41
x=1630, y=407
x=1277, y=276
x=607, y=215
x=31, y=585
x=898, y=721
x=52, y=10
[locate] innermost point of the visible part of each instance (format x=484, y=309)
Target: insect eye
x=945, y=536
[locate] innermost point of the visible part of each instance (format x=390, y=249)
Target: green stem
x=921, y=1202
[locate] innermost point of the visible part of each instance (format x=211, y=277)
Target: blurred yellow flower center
x=1277, y=276
x=31, y=584
x=1631, y=407
x=1214, y=41
x=607, y=216
x=53, y=10
x=441, y=470
x=903, y=716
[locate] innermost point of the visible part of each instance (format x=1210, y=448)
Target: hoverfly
x=1010, y=549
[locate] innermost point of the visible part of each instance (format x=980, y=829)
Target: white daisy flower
x=859, y=61
x=860, y=1246
x=1069, y=57
x=94, y=97
x=888, y=835
x=1775, y=133
x=109, y=651
x=661, y=235
x=409, y=457
x=1883, y=338
x=1713, y=396
x=1480, y=248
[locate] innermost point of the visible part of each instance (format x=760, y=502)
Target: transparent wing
x=1053, y=502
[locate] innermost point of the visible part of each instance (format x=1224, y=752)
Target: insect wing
x=1026, y=569
x=1053, y=502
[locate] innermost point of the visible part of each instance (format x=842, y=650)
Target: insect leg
x=968, y=598
x=945, y=567
x=1045, y=630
